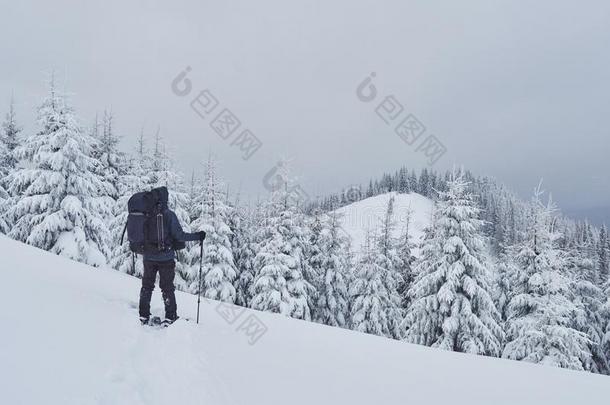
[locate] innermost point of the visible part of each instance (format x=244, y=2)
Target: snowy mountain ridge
x=70, y=336
x=364, y=216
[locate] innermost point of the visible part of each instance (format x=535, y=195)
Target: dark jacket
x=175, y=231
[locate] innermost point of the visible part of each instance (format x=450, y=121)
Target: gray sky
x=517, y=90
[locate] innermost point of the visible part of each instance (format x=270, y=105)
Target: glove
x=201, y=235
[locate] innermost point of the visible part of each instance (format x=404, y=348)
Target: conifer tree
x=219, y=271
x=244, y=251
x=540, y=313
x=605, y=315
x=4, y=197
x=162, y=173
x=387, y=258
x=133, y=178
x=588, y=298
x=9, y=141
x=406, y=262
x=370, y=295
x=451, y=304
x=279, y=285
x=111, y=161
x=316, y=254
x=603, y=252
x=333, y=299
x=60, y=205
x=10, y=138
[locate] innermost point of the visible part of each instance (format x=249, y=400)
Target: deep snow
x=70, y=335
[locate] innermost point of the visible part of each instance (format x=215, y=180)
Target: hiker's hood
x=162, y=195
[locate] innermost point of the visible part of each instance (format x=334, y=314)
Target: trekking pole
x=199, y=280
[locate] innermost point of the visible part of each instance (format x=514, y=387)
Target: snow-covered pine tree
x=59, y=206
x=403, y=181
x=605, y=315
x=413, y=182
x=603, y=252
x=315, y=256
x=540, y=313
x=407, y=259
x=111, y=161
x=244, y=252
x=133, y=178
x=4, y=196
x=387, y=258
x=333, y=296
x=370, y=295
x=505, y=272
x=11, y=140
x=301, y=248
x=219, y=271
x=588, y=298
x=257, y=233
x=452, y=306
x=163, y=174
x=279, y=284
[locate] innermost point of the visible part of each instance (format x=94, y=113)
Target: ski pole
x=199, y=280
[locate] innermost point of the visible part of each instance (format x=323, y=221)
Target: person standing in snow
x=164, y=263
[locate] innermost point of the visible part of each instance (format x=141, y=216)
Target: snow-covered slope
x=366, y=215
x=70, y=335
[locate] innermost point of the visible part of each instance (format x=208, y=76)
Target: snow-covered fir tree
x=244, y=252
x=279, y=284
x=588, y=298
x=219, y=271
x=301, y=248
x=317, y=226
x=605, y=315
x=252, y=236
x=452, y=307
x=10, y=138
x=111, y=161
x=370, y=295
x=603, y=256
x=163, y=174
x=9, y=141
x=133, y=178
x=4, y=196
x=540, y=327
x=60, y=207
x=333, y=296
x=388, y=259
x=505, y=269
x=406, y=262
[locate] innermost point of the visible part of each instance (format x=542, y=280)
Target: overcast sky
x=513, y=89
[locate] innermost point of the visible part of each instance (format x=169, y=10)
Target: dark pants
x=166, y=274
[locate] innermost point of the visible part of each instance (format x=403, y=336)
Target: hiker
x=168, y=237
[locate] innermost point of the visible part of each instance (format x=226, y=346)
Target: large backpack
x=148, y=229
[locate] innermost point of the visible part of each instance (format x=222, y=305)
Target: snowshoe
x=167, y=321
x=151, y=321
x=155, y=321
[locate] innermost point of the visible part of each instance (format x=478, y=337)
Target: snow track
x=160, y=366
